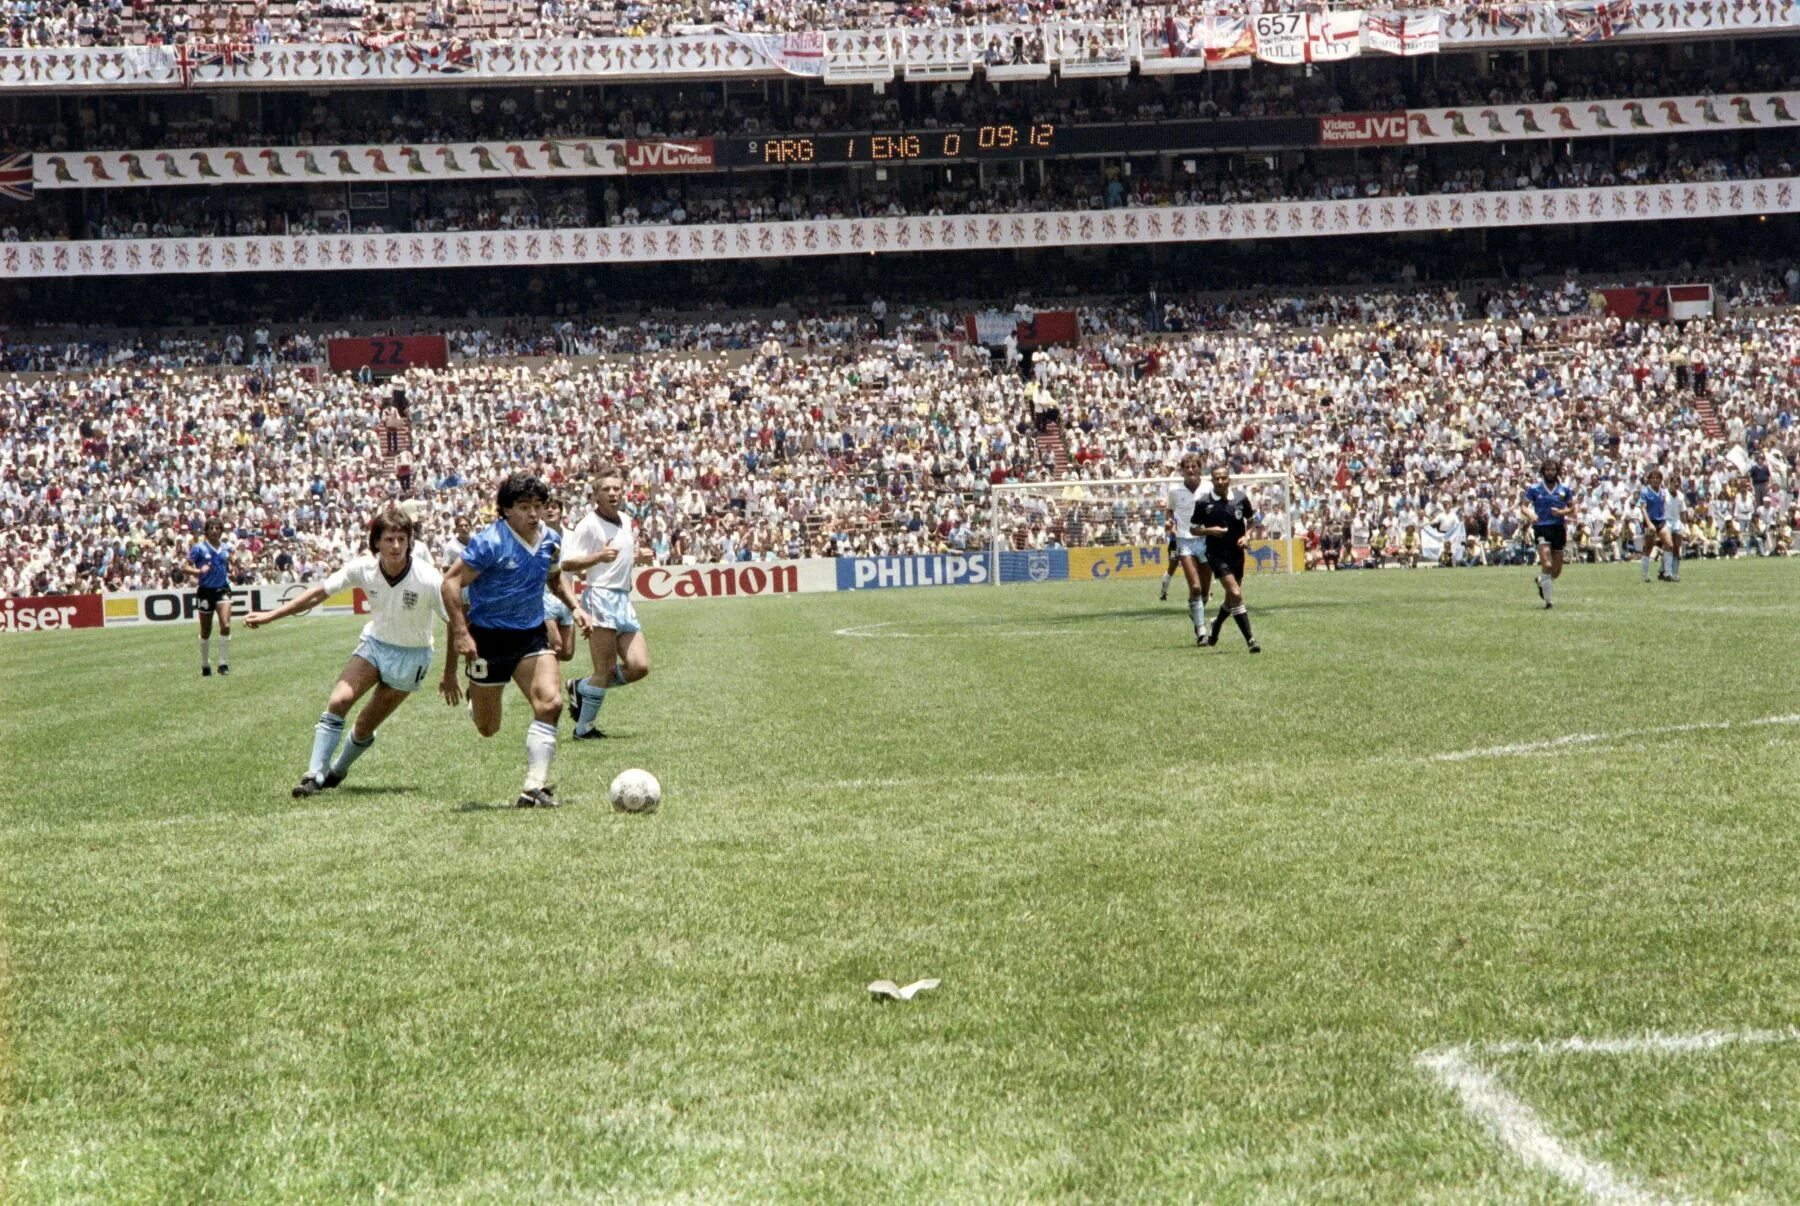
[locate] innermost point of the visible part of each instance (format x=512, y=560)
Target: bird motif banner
x=396, y=163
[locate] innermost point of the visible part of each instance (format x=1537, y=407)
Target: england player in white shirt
x=405, y=598
x=603, y=550
x=1188, y=549
x=1673, y=502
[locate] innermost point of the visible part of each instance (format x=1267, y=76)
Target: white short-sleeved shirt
x=1181, y=505
x=401, y=613
x=594, y=533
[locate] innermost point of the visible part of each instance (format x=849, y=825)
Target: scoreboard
x=1010, y=140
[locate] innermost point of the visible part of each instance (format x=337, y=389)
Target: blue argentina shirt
x=217, y=562
x=1652, y=502
x=510, y=591
x=1544, y=498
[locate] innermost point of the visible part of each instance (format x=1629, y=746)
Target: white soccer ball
x=635, y=791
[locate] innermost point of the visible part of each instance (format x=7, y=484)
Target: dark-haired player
x=1223, y=516
x=405, y=595
x=209, y=563
x=500, y=632
x=1653, y=511
x=1552, y=501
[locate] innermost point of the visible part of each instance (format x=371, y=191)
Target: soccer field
x=1309, y=925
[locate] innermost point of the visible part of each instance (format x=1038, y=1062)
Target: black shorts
x=208, y=598
x=498, y=652
x=1220, y=566
x=1556, y=535
x=1659, y=524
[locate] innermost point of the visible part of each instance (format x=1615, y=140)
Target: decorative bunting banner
x=866, y=236
x=392, y=164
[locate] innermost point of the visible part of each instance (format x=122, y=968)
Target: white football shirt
x=1181, y=505
x=401, y=613
x=594, y=533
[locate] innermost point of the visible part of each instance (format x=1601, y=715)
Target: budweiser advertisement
x=669, y=155
x=1364, y=130
x=50, y=613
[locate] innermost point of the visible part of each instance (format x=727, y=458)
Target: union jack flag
x=15, y=177
x=1600, y=21
x=189, y=59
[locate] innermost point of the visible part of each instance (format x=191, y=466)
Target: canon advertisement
x=745, y=578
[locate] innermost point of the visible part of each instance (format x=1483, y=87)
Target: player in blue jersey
x=1653, y=510
x=1552, y=501
x=209, y=564
x=500, y=633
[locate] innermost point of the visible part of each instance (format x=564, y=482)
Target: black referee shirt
x=1232, y=513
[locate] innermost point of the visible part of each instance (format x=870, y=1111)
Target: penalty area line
x=1523, y=1133
x=1569, y=740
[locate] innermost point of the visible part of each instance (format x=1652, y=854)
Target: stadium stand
x=1405, y=377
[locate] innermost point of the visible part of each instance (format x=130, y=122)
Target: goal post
x=1128, y=514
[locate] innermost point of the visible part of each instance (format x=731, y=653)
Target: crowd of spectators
x=842, y=327
x=891, y=445
x=62, y=23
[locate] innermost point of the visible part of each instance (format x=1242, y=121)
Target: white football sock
x=540, y=748
x=205, y=653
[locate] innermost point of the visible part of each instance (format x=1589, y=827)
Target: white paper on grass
x=889, y=989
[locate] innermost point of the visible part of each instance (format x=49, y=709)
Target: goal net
x=1129, y=514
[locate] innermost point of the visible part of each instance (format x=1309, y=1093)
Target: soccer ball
x=635, y=791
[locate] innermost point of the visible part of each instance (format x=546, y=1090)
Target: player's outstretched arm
x=293, y=607
x=462, y=644
x=447, y=685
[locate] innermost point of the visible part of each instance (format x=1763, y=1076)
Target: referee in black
x=1223, y=517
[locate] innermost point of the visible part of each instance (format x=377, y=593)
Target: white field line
x=867, y=632
x=1522, y=1133
x=1579, y=739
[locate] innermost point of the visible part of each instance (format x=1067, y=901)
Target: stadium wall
x=655, y=583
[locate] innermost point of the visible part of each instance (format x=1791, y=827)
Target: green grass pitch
x=1196, y=913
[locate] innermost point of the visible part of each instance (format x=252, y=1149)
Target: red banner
x=388, y=355
x=1047, y=328
x=1364, y=130
x=687, y=155
x=51, y=612
x=1644, y=305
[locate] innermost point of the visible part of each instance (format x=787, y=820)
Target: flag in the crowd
x=447, y=58
x=189, y=59
x=1229, y=41
x=15, y=177
x=1598, y=21
x=1333, y=36
x=1408, y=34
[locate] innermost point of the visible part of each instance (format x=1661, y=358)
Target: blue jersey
x=1547, y=500
x=1652, y=501
x=510, y=591
x=217, y=562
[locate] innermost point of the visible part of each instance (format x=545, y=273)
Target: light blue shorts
x=1191, y=546
x=611, y=609
x=402, y=667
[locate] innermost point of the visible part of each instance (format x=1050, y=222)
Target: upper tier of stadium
x=252, y=43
